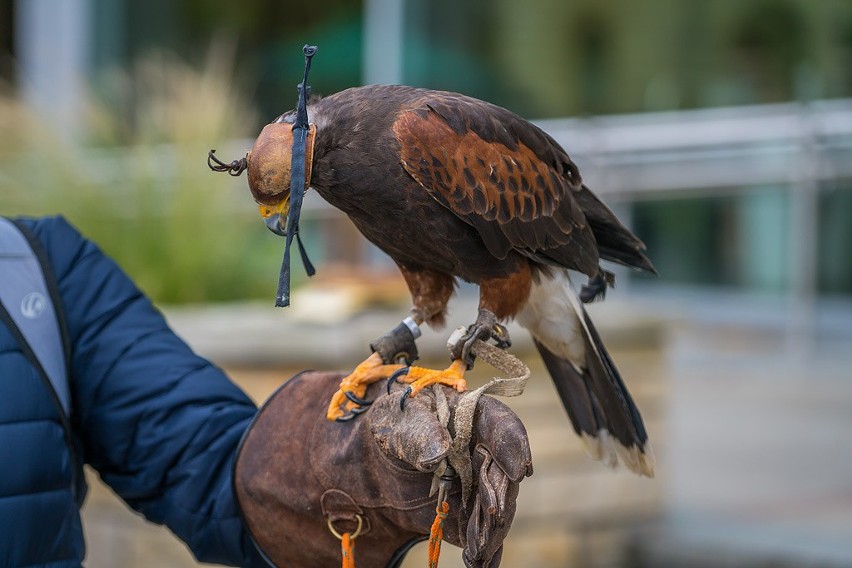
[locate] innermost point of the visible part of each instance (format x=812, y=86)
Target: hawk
x=452, y=187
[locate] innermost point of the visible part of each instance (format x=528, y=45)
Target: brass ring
x=352, y=536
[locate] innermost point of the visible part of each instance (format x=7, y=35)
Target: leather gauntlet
x=297, y=475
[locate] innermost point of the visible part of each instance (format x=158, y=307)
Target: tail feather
x=616, y=389
x=583, y=408
x=599, y=406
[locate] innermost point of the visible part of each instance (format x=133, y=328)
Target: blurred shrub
x=139, y=185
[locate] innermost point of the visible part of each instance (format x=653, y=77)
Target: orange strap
x=347, y=546
x=436, y=534
x=347, y=541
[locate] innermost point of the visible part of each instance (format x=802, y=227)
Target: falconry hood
x=298, y=180
x=279, y=173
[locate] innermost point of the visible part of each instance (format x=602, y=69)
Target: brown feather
x=475, y=176
x=504, y=297
x=502, y=187
x=430, y=292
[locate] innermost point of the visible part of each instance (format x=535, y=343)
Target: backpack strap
x=28, y=305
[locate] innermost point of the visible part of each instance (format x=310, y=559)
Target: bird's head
x=268, y=165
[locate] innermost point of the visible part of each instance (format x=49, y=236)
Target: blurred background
x=721, y=131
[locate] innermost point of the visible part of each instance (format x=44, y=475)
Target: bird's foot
x=485, y=328
x=348, y=402
x=419, y=378
x=597, y=286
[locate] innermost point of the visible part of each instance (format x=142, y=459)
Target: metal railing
x=724, y=151
x=644, y=155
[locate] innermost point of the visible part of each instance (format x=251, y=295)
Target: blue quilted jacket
x=159, y=423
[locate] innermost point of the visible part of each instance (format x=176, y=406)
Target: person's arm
x=159, y=423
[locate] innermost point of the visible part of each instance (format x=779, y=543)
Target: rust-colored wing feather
x=500, y=174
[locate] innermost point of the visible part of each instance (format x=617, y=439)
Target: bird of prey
x=452, y=187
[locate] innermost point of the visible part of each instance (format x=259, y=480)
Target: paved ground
x=754, y=448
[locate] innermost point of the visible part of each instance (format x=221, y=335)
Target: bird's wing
x=500, y=174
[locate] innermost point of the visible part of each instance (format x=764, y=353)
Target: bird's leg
x=430, y=292
x=597, y=285
x=485, y=328
x=394, y=346
x=500, y=298
x=418, y=378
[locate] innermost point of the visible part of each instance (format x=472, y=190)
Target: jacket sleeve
x=160, y=424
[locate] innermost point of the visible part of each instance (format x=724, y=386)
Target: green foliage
x=140, y=186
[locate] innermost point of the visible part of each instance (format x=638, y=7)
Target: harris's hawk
x=453, y=187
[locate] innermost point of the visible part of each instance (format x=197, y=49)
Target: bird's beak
x=275, y=216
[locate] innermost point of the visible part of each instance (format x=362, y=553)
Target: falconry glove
x=300, y=479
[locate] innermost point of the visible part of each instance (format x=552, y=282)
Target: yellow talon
x=372, y=369
x=419, y=378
